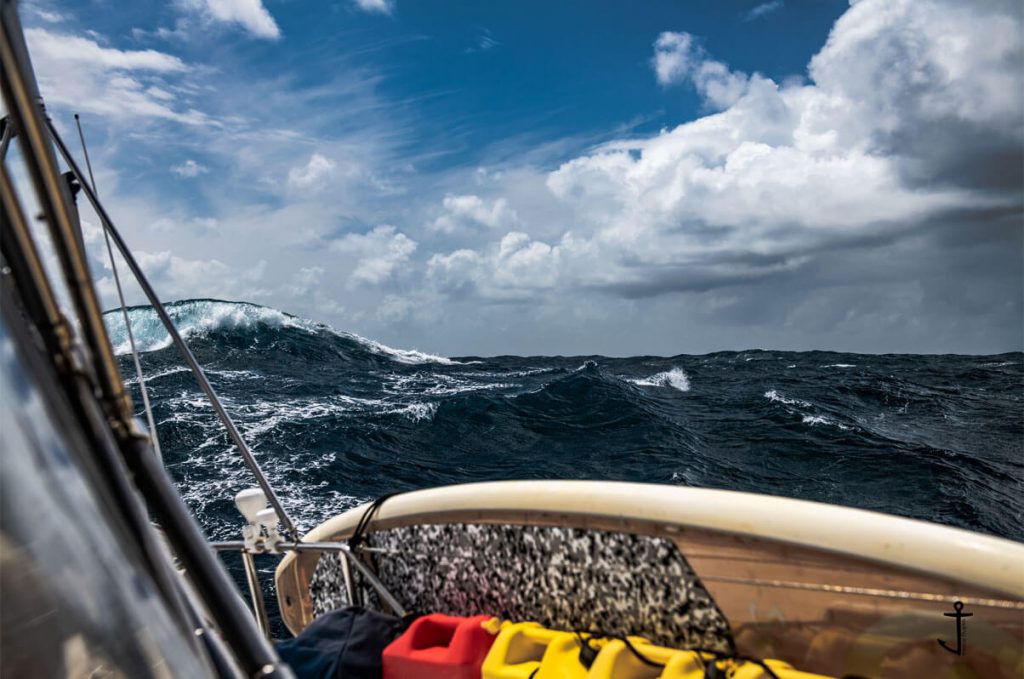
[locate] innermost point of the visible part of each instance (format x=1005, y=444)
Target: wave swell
x=336, y=418
x=209, y=317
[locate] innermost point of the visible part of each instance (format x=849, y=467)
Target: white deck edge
x=971, y=558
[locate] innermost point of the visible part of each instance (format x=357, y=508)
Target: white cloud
x=376, y=6
x=782, y=176
x=310, y=286
x=249, y=14
x=798, y=214
x=380, y=253
x=763, y=9
x=394, y=308
x=175, y=276
x=189, y=169
x=178, y=224
x=678, y=58
x=82, y=74
x=915, y=62
x=471, y=211
x=314, y=173
x=66, y=48
x=516, y=267
x=47, y=15
x=672, y=57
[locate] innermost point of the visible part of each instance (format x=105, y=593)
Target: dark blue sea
x=336, y=419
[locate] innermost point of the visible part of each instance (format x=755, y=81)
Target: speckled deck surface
x=611, y=583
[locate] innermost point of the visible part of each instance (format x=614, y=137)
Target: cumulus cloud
x=874, y=204
x=80, y=73
x=516, y=267
x=786, y=177
x=189, y=169
x=470, y=212
x=672, y=55
x=380, y=253
x=937, y=84
x=396, y=309
x=376, y=6
x=249, y=14
x=314, y=173
x=174, y=276
x=678, y=58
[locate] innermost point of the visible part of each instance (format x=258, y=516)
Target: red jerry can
x=438, y=645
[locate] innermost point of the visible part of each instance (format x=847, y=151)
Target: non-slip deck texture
x=602, y=582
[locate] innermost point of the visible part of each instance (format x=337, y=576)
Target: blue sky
x=577, y=177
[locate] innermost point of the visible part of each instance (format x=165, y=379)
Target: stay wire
x=124, y=309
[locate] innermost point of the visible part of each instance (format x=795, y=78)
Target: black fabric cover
x=345, y=643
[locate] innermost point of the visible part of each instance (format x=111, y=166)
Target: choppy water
x=336, y=419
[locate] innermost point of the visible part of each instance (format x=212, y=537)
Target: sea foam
x=674, y=378
x=198, y=317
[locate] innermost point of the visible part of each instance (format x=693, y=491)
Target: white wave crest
x=193, y=317
x=199, y=316
x=840, y=365
x=439, y=384
x=674, y=378
x=812, y=420
x=416, y=412
x=815, y=419
x=409, y=356
x=776, y=397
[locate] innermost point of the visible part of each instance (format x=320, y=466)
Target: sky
x=580, y=177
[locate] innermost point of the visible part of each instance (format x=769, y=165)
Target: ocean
x=336, y=419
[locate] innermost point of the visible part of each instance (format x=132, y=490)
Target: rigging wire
x=176, y=338
x=124, y=309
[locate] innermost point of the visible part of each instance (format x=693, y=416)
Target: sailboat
x=103, y=571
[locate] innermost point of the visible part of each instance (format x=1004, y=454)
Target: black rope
x=640, y=656
x=719, y=655
x=588, y=654
x=359, y=534
x=587, y=659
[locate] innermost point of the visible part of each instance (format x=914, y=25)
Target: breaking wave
x=776, y=397
x=205, y=317
x=674, y=378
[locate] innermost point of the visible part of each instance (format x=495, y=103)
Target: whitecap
x=821, y=419
x=416, y=412
x=674, y=378
x=438, y=384
x=200, y=316
x=840, y=365
x=816, y=419
x=157, y=375
x=777, y=397
x=408, y=356
x=193, y=317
